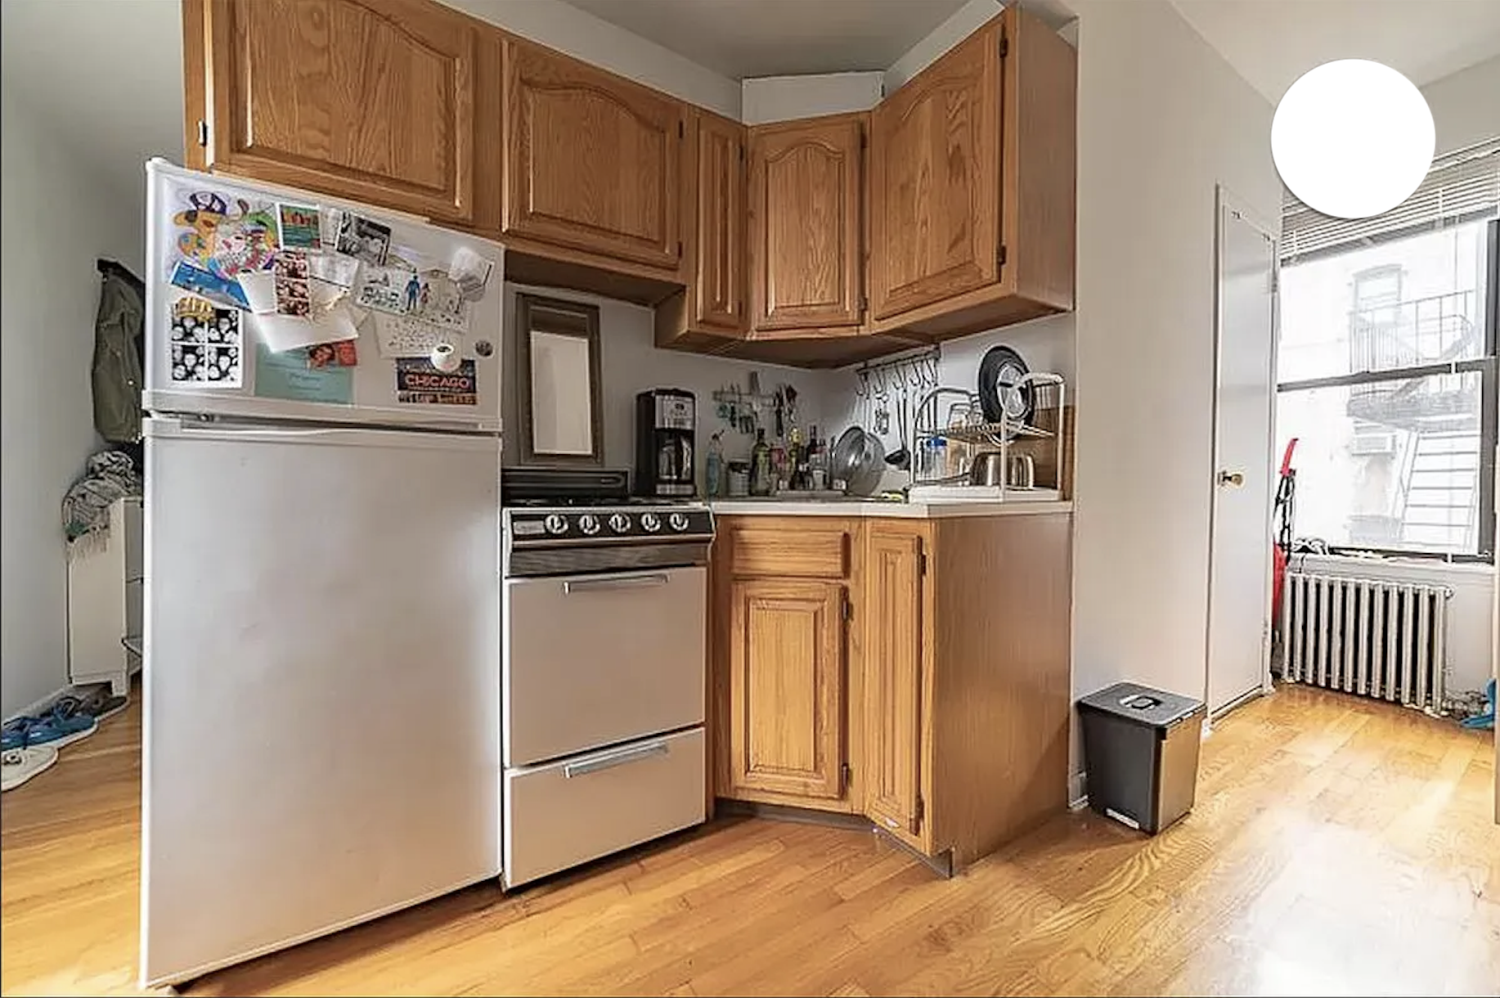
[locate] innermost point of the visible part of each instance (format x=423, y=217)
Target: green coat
x=117, y=367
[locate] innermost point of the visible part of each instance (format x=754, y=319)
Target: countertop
x=876, y=509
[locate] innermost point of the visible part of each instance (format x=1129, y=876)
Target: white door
x=1240, y=539
x=322, y=702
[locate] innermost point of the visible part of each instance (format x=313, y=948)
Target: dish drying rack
x=956, y=417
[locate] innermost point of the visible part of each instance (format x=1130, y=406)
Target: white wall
x=1466, y=106
x=58, y=218
x=782, y=98
x=592, y=39
x=1162, y=118
x=1045, y=344
x=630, y=363
x=942, y=38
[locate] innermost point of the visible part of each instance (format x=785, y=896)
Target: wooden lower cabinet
x=895, y=664
x=787, y=687
x=949, y=689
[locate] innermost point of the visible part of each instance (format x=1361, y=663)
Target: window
x=1387, y=377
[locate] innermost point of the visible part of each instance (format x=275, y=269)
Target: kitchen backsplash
x=631, y=363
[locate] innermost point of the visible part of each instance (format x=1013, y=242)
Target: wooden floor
x=1338, y=846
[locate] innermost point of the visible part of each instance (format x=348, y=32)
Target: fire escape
x=1421, y=434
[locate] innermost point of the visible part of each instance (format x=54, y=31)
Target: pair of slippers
x=30, y=744
x=21, y=764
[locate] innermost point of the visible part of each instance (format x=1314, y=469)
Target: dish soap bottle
x=760, y=465
x=713, y=467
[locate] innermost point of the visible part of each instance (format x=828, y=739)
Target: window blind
x=1460, y=186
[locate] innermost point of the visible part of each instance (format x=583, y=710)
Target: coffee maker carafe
x=665, y=420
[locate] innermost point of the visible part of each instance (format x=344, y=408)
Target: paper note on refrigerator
x=280, y=333
x=288, y=376
x=400, y=336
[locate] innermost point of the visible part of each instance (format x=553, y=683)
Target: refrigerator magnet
x=293, y=296
x=300, y=226
x=385, y=289
x=222, y=290
x=205, y=343
x=363, y=238
x=341, y=354
x=419, y=383
x=471, y=272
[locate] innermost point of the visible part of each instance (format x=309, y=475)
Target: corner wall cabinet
x=972, y=176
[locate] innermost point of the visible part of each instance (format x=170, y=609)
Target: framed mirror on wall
x=557, y=360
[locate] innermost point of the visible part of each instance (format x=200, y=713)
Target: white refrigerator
x=321, y=569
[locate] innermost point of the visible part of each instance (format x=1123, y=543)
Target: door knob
x=1234, y=478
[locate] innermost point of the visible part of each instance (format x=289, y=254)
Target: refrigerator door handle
x=163, y=428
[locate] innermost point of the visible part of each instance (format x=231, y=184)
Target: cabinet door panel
x=719, y=284
x=786, y=688
x=935, y=180
x=369, y=99
x=805, y=223
x=893, y=678
x=593, y=161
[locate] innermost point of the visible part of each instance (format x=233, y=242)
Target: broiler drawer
x=560, y=814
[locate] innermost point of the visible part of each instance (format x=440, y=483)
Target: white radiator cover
x=1379, y=638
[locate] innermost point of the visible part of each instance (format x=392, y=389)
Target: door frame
x=1226, y=200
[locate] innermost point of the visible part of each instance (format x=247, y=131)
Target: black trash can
x=1140, y=748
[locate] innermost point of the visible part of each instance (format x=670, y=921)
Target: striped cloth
x=109, y=475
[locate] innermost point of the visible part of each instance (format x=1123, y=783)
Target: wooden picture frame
x=558, y=321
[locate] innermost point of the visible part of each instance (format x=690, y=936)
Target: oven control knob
x=555, y=524
x=619, y=523
x=589, y=524
x=650, y=522
x=678, y=522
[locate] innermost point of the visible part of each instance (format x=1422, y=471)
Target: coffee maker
x=665, y=420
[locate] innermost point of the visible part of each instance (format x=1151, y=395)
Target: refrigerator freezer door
x=368, y=391
x=321, y=739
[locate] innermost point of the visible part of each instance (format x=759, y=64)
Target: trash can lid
x=1142, y=704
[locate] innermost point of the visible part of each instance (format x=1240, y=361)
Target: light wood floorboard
x=1337, y=846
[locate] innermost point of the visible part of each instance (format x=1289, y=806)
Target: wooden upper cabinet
x=806, y=250
x=373, y=100
x=935, y=180
x=718, y=285
x=786, y=696
x=972, y=200
x=593, y=161
x=894, y=666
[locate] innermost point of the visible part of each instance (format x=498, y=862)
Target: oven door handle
x=637, y=753
x=616, y=582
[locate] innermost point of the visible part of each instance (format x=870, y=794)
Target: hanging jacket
x=117, y=356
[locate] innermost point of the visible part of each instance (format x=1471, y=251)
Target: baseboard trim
x=36, y=706
x=941, y=864
x=1078, y=791
x=787, y=812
